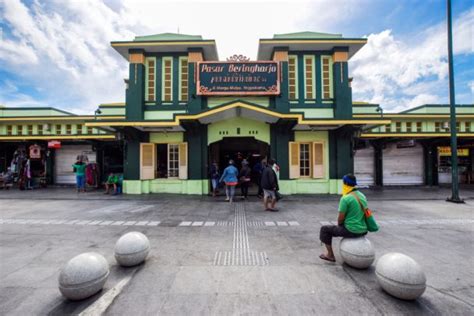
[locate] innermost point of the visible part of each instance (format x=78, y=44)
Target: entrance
x=238, y=149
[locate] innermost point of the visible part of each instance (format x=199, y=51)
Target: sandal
x=324, y=257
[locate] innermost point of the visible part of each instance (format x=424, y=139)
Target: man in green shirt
x=80, y=170
x=351, y=220
x=112, y=180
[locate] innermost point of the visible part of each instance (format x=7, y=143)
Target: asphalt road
x=211, y=257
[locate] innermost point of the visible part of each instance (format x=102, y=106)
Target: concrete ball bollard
x=132, y=249
x=400, y=276
x=83, y=276
x=357, y=252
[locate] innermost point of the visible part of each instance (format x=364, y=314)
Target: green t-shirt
x=354, y=220
x=112, y=179
x=80, y=169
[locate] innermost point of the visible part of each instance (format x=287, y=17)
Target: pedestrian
x=229, y=177
x=112, y=181
x=214, y=175
x=351, y=220
x=80, y=170
x=276, y=168
x=244, y=177
x=269, y=184
x=257, y=170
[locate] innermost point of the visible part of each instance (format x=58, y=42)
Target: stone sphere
x=132, y=249
x=83, y=276
x=400, y=276
x=357, y=252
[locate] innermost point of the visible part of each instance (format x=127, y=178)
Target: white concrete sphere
x=357, y=252
x=400, y=276
x=83, y=276
x=132, y=249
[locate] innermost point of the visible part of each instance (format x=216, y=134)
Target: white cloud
x=400, y=74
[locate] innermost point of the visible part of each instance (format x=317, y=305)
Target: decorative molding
x=238, y=58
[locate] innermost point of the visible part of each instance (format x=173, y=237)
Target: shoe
x=227, y=199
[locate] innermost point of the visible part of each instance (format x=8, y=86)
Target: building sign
x=446, y=151
x=54, y=144
x=238, y=78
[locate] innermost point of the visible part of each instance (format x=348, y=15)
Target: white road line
x=282, y=223
x=154, y=223
x=142, y=223
x=129, y=223
x=209, y=223
x=294, y=223
x=269, y=224
x=101, y=305
x=104, y=223
x=197, y=223
x=185, y=224
x=117, y=223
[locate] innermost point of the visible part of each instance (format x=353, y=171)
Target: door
x=65, y=157
x=364, y=166
x=403, y=166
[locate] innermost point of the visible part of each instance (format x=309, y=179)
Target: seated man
x=112, y=181
x=351, y=219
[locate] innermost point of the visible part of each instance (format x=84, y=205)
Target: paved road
x=210, y=257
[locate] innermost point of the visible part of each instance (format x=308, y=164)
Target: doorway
x=238, y=149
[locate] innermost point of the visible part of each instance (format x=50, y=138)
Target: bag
x=369, y=218
x=278, y=196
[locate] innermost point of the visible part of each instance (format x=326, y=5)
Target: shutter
x=318, y=160
x=294, y=160
x=183, y=160
x=147, y=161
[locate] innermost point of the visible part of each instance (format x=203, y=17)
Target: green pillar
x=281, y=133
x=341, y=89
x=135, y=94
x=196, y=137
x=131, y=161
x=341, y=158
x=378, y=162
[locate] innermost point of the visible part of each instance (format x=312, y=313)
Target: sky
x=57, y=52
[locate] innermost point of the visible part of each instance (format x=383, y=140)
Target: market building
x=185, y=109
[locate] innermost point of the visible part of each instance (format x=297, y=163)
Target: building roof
x=168, y=43
x=306, y=35
x=308, y=41
x=168, y=37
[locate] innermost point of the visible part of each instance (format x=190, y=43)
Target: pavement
x=209, y=257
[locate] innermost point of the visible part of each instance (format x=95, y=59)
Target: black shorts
x=328, y=231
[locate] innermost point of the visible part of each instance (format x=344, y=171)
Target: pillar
x=281, y=133
x=341, y=86
x=135, y=93
x=131, y=159
x=196, y=137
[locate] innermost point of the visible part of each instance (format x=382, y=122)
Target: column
x=135, y=93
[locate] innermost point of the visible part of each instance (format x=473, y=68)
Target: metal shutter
x=65, y=157
x=364, y=167
x=403, y=166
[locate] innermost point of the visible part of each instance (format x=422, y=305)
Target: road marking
x=282, y=223
x=117, y=223
x=197, y=223
x=209, y=224
x=154, y=223
x=185, y=224
x=101, y=305
x=269, y=224
x=142, y=223
x=104, y=223
x=129, y=223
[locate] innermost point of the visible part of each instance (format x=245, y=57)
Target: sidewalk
x=380, y=194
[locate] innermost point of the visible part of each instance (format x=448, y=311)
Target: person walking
x=229, y=177
x=351, y=220
x=269, y=184
x=257, y=170
x=244, y=177
x=80, y=170
x=214, y=175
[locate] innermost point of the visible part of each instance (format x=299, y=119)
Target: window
x=150, y=79
x=388, y=128
x=409, y=126
x=458, y=126
x=437, y=126
x=173, y=160
x=305, y=169
x=398, y=127
x=418, y=127
x=309, y=77
x=40, y=129
x=79, y=129
x=30, y=130
x=9, y=130
x=183, y=69
x=68, y=129
x=467, y=127
x=167, y=85
x=292, y=78
x=58, y=129
x=326, y=77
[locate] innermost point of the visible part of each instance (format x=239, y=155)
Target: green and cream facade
x=170, y=132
